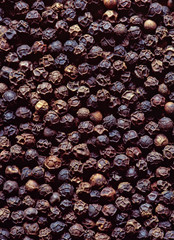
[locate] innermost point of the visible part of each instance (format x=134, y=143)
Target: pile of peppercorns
x=86, y=119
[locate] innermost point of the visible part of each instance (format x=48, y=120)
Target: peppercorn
x=169, y=108
x=84, y=189
x=80, y=208
x=49, y=133
x=121, y=218
x=103, y=224
x=110, y=4
x=156, y=233
x=125, y=188
x=76, y=230
x=111, y=16
x=165, y=124
x=132, y=226
x=4, y=214
x=45, y=233
x=143, y=185
x=10, y=186
x=161, y=140
x=123, y=203
x=31, y=185
x=41, y=106
x=30, y=214
x=163, y=89
x=83, y=113
x=31, y=229
x=52, y=162
x=108, y=193
x=150, y=25
x=66, y=190
x=12, y=171
x=16, y=232
x=97, y=180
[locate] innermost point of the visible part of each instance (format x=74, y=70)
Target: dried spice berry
x=110, y=4
x=52, y=162
x=97, y=180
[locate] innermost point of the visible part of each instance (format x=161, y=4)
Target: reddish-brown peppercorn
x=110, y=4
x=98, y=180
x=53, y=162
x=169, y=108
x=96, y=117
x=108, y=193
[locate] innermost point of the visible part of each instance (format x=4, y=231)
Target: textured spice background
x=86, y=119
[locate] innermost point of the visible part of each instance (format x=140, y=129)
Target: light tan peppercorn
x=150, y=25
x=52, y=162
x=41, y=106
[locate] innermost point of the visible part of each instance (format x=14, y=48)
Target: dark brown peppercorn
x=16, y=232
x=125, y=188
x=12, y=171
x=60, y=107
x=103, y=224
x=17, y=216
x=132, y=226
x=81, y=151
x=165, y=124
x=80, y=208
x=145, y=142
x=30, y=214
x=108, y=193
x=31, y=229
x=121, y=161
x=123, y=203
x=76, y=230
x=158, y=101
x=10, y=187
x=45, y=233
